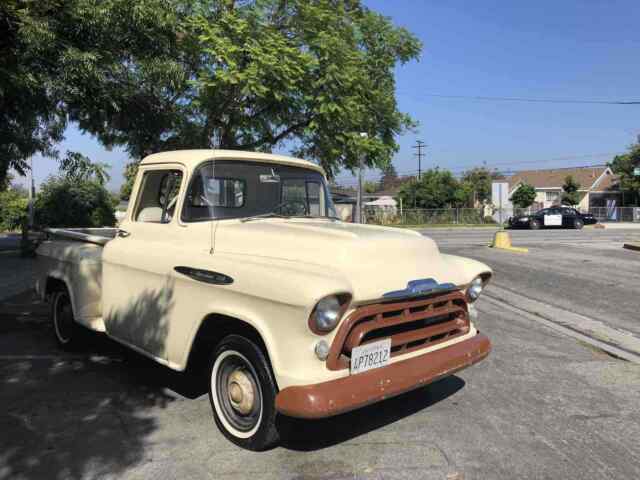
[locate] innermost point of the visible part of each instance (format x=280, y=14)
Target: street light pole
x=32, y=189
x=358, y=218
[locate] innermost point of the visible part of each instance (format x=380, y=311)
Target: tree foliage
x=6, y=183
x=68, y=202
x=130, y=172
x=370, y=187
x=31, y=118
x=77, y=167
x=570, y=195
x=13, y=209
x=435, y=189
x=624, y=166
x=156, y=75
x=524, y=196
x=477, y=182
x=389, y=177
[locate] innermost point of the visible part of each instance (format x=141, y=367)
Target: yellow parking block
x=502, y=241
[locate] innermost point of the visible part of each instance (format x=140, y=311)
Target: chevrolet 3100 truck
x=235, y=263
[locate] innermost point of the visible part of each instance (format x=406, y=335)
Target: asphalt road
x=543, y=405
x=586, y=271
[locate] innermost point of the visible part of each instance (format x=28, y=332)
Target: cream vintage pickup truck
x=236, y=262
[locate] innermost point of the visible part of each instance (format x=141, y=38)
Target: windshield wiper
x=264, y=215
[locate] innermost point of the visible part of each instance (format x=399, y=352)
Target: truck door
x=140, y=295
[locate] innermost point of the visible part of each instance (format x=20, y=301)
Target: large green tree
x=624, y=166
x=154, y=75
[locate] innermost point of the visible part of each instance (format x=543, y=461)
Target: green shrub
x=13, y=209
x=63, y=202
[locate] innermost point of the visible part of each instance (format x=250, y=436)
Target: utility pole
x=420, y=145
x=27, y=223
x=32, y=192
x=358, y=215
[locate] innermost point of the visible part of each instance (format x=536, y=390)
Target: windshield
x=236, y=189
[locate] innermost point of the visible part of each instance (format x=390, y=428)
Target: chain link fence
x=435, y=216
x=616, y=214
x=479, y=216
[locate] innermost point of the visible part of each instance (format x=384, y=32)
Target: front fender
x=274, y=296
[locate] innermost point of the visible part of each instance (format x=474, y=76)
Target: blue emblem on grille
x=424, y=286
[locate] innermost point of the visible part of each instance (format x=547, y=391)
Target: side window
x=569, y=212
x=158, y=196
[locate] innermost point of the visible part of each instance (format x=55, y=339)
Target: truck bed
x=73, y=256
x=99, y=236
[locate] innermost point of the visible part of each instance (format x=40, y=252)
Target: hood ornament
x=416, y=288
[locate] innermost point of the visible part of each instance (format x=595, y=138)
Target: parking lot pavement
x=16, y=273
x=585, y=272
x=541, y=406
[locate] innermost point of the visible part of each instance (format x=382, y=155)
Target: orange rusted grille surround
x=354, y=391
x=411, y=325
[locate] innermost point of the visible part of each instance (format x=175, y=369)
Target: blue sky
x=562, y=49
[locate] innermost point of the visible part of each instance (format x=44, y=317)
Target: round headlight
x=327, y=313
x=475, y=289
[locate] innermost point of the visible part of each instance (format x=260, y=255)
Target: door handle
x=123, y=233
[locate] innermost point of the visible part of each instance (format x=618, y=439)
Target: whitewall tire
x=242, y=393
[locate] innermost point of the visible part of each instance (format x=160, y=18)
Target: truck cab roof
x=191, y=158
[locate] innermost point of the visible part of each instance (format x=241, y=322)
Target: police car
x=554, y=217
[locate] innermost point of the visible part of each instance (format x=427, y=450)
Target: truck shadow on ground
x=309, y=435
x=92, y=413
x=84, y=414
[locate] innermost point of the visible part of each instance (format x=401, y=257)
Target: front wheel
x=242, y=393
x=534, y=225
x=578, y=224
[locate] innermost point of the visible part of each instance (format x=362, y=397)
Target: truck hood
x=374, y=260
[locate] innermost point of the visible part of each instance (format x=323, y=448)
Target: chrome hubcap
x=241, y=392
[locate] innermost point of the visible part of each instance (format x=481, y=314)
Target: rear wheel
x=242, y=393
x=578, y=224
x=66, y=329
x=534, y=224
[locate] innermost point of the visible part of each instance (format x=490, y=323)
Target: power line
x=346, y=182
x=460, y=168
x=531, y=100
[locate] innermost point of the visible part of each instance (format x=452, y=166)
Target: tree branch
x=272, y=140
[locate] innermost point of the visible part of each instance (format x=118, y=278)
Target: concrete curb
x=615, y=341
x=632, y=246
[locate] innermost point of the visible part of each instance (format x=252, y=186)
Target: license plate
x=370, y=356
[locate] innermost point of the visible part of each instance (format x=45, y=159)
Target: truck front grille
x=411, y=325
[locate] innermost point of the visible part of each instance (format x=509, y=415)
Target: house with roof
x=599, y=186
